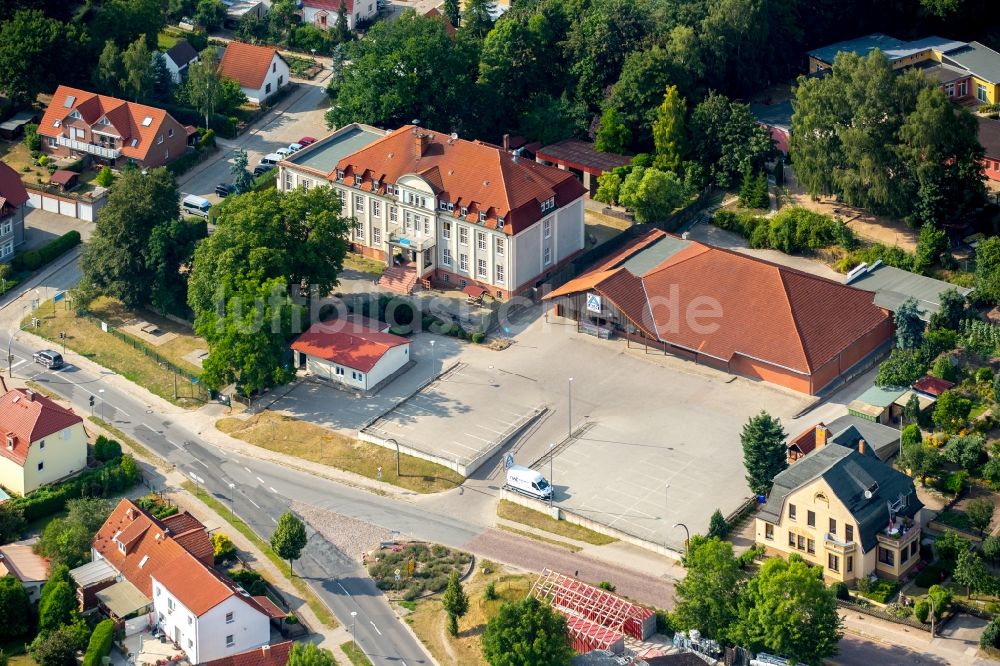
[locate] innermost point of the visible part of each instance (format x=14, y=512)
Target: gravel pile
x=352, y=537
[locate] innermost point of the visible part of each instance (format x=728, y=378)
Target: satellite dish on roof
x=868, y=494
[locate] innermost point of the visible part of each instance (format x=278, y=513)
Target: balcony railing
x=835, y=544
x=92, y=148
x=411, y=242
x=897, y=540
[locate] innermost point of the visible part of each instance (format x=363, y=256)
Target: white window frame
x=229, y=639
x=393, y=214
x=481, y=240
x=376, y=235
x=547, y=228
x=359, y=203
x=446, y=256
x=7, y=227
x=981, y=93
x=498, y=247
x=376, y=208
x=482, y=216
x=547, y=256
x=500, y=276
x=359, y=231
x=463, y=235
x=463, y=262
x=446, y=230
x=481, y=269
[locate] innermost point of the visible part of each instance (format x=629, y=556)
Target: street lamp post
x=433, y=359
x=101, y=392
x=552, y=488
x=931, y=602
x=232, y=499
x=397, y=454
x=666, y=507
x=687, y=535
x=354, y=640
x=569, y=397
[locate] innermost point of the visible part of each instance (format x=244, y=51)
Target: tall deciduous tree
x=727, y=139
x=204, y=82
x=455, y=603
x=980, y=514
x=116, y=260
x=988, y=270
x=931, y=244
x=651, y=194
x=708, y=594
x=310, y=654
x=764, y=452
x=788, y=610
x=289, y=538
x=16, y=608
x=29, y=44
x=909, y=326
x=971, y=571
x=58, y=608
x=477, y=19
x=669, y=134
x=210, y=14
x=170, y=251
x=66, y=540
x=110, y=71
x=527, y=633
x=951, y=310
x=125, y=20
x=137, y=60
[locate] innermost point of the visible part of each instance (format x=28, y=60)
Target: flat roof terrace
x=328, y=151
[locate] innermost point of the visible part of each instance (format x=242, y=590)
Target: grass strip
x=318, y=607
x=520, y=514
x=537, y=537
x=355, y=654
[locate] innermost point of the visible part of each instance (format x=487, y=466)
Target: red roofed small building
x=443, y=210
x=323, y=13
x=167, y=565
x=932, y=386
x=260, y=70
x=80, y=123
x=351, y=355
x=265, y=655
x=13, y=196
x=728, y=310
x=40, y=442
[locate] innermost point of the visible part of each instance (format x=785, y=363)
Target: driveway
x=42, y=226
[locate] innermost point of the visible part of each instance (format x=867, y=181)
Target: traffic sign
x=508, y=461
x=59, y=296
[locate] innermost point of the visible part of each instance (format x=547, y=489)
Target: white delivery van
x=528, y=482
x=194, y=205
x=271, y=159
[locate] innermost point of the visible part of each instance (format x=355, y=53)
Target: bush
x=111, y=478
x=984, y=376
x=478, y=337
x=490, y=593
x=223, y=126
x=33, y=259
x=184, y=162
x=841, y=591
x=100, y=643
x=880, y=591
x=921, y=610
x=32, y=141
x=249, y=580
x=991, y=635
x=106, y=449
x=43, y=160
x=605, y=585
x=222, y=547
x=207, y=140
x=953, y=483
x=105, y=176
x=664, y=623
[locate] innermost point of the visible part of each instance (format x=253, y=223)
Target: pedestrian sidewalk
x=957, y=643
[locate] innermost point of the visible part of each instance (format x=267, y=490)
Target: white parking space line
x=201, y=463
x=254, y=503
x=260, y=479
x=271, y=488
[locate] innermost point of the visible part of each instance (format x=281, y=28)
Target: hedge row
x=223, y=126
x=34, y=259
x=112, y=477
x=100, y=643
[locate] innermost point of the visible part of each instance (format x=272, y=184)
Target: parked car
x=225, y=189
x=262, y=168
x=284, y=152
x=50, y=359
x=306, y=141
x=295, y=147
x=271, y=159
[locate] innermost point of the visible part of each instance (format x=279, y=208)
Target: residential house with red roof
x=728, y=310
x=324, y=13
x=260, y=70
x=20, y=561
x=351, y=354
x=78, y=123
x=40, y=442
x=265, y=655
x=13, y=196
x=165, y=568
x=442, y=210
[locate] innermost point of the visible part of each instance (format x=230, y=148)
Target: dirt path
x=533, y=556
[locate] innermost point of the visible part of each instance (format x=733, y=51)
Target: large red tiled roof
x=770, y=313
x=247, y=63
x=351, y=347
x=152, y=551
x=471, y=174
x=932, y=385
x=126, y=117
x=11, y=187
x=267, y=655
x=28, y=416
x=330, y=5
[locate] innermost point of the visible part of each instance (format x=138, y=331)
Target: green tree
x=669, y=135
x=105, y=176
x=11, y=522
x=110, y=72
x=944, y=367
x=717, y=526
x=29, y=44
x=341, y=29
x=764, y=452
x=281, y=19
x=902, y=368
x=951, y=411
x=452, y=12
x=169, y=252
x=988, y=270
x=980, y=514
x=204, y=83
x=909, y=326
x=609, y=186
x=16, y=608
x=289, y=538
x=231, y=96
x=32, y=141
x=67, y=540
x=951, y=310
x=727, y=139
x=455, y=603
x=788, y=610
x=56, y=648
x=100, y=643
x=991, y=548
x=922, y=461
x=707, y=596
x=930, y=246
x=137, y=63
x=210, y=14
x=309, y=654
x=242, y=180
x=613, y=135
x=949, y=546
x=116, y=260
x=942, y=599
x=911, y=435
x=251, y=28
x=911, y=411
x=527, y=633
x=477, y=19
x=439, y=73
x=58, y=608
x=123, y=21
x=651, y=194
x=754, y=194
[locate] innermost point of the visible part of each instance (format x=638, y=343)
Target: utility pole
x=552, y=488
x=569, y=396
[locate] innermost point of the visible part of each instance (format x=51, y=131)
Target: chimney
x=822, y=435
x=422, y=141
x=29, y=394
x=506, y=142
x=861, y=446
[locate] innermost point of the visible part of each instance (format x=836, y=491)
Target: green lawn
x=355, y=654
x=165, y=41
x=520, y=514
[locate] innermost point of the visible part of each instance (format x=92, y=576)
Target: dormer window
x=357, y=179
x=442, y=205
x=499, y=221
x=142, y=562
x=57, y=123
x=548, y=204
x=75, y=115
x=482, y=216
x=465, y=211
x=340, y=174
x=121, y=547
x=10, y=442
x=104, y=121
x=451, y=206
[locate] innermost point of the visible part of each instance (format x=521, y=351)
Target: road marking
x=254, y=503
x=271, y=488
x=260, y=479
x=81, y=387
x=343, y=589
x=273, y=520
x=201, y=463
x=174, y=443
x=375, y=628
x=22, y=361
x=247, y=469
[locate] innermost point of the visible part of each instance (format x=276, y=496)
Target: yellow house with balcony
x=964, y=70
x=41, y=442
x=842, y=509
